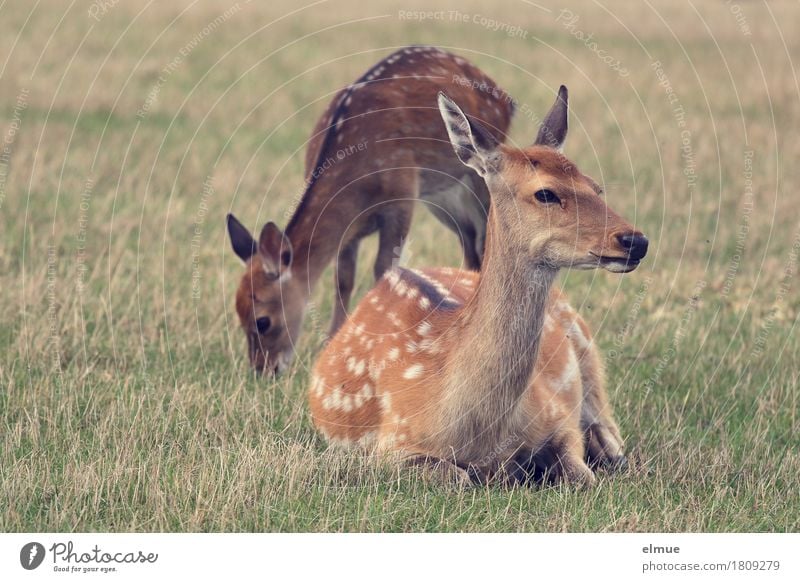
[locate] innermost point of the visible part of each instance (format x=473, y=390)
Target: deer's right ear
x=473, y=143
x=553, y=131
x=275, y=250
x=241, y=240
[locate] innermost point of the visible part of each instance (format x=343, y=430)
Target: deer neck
x=317, y=233
x=499, y=334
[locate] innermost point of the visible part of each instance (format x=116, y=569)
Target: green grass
x=126, y=402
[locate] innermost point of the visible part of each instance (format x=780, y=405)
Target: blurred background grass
x=130, y=129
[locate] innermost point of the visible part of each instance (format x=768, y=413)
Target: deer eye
x=263, y=324
x=547, y=197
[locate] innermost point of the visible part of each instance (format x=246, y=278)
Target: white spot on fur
x=375, y=370
x=386, y=402
x=363, y=395
x=413, y=372
x=424, y=328
x=333, y=400
x=569, y=374
x=430, y=346
x=576, y=333
x=368, y=439
x=359, y=367
x=317, y=386
x=393, y=354
x=347, y=403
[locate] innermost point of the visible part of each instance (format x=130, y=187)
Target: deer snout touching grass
x=488, y=376
x=379, y=147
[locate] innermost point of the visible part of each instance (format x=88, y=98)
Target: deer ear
x=553, y=131
x=241, y=240
x=473, y=143
x=275, y=250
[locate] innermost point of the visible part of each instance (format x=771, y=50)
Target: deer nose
x=635, y=243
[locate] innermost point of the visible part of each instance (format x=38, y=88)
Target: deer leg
x=470, y=247
x=463, y=207
x=570, y=466
x=393, y=231
x=482, y=211
x=604, y=445
x=345, y=281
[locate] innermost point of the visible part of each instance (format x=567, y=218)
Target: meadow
x=130, y=129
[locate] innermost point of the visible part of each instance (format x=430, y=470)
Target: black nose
x=263, y=324
x=634, y=243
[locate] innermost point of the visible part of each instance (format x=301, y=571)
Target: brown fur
x=492, y=371
x=379, y=147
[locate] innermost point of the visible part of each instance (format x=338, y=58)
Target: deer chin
x=274, y=365
x=283, y=361
x=616, y=264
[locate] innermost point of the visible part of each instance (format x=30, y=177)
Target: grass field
x=130, y=129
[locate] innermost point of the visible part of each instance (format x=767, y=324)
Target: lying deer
x=489, y=375
x=378, y=148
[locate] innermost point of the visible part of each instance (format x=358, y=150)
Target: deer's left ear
x=241, y=240
x=473, y=143
x=553, y=131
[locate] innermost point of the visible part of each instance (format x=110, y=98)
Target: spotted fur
x=379, y=147
x=493, y=373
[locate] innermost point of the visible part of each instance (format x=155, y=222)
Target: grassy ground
x=126, y=401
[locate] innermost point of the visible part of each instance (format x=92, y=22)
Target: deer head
x=545, y=207
x=269, y=302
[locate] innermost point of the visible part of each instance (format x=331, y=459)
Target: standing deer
x=378, y=148
x=490, y=375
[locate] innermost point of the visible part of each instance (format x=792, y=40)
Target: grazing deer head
x=379, y=146
x=439, y=364
x=269, y=301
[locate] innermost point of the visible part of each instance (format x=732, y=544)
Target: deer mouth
x=616, y=264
